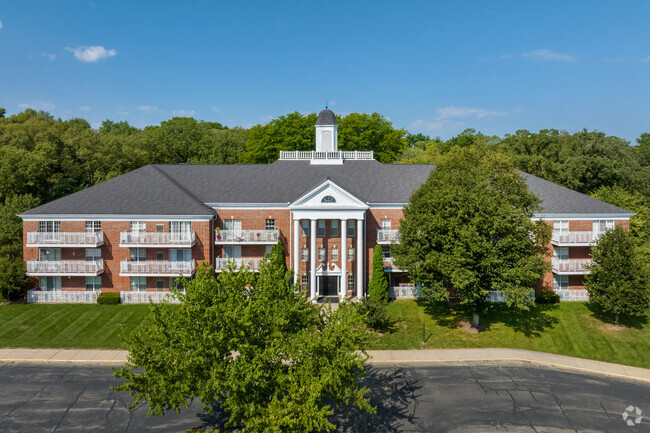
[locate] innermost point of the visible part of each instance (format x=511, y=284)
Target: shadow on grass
x=392, y=392
x=636, y=322
x=531, y=323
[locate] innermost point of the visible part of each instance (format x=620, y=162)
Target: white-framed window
x=321, y=254
x=232, y=251
x=560, y=282
x=160, y=284
x=385, y=251
x=385, y=224
x=138, y=284
x=334, y=228
x=351, y=254
x=321, y=228
x=233, y=225
x=49, y=254
x=137, y=226
x=267, y=250
x=304, y=255
x=93, y=254
x=351, y=228
x=137, y=254
x=49, y=226
x=177, y=283
x=561, y=253
x=181, y=254
x=93, y=226
x=334, y=254
x=160, y=228
x=304, y=224
x=351, y=283
x=328, y=199
x=270, y=224
x=601, y=226
x=49, y=284
x=160, y=256
x=93, y=284
x=561, y=226
x=180, y=226
x=304, y=281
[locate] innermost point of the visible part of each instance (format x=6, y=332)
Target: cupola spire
x=326, y=131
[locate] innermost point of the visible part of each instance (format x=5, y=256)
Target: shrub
x=374, y=314
x=378, y=285
x=12, y=277
x=108, y=298
x=547, y=297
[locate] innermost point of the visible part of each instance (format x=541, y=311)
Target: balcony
x=389, y=265
x=163, y=268
x=247, y=237
x=570, y=267
x=62, y=297
x=579, y=295
x=146, y=297
x=91, y=268
x=575, y=239
x=221, y=263
x=387, y=236
x=65, y=239
x=158, y=239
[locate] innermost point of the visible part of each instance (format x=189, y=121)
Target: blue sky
x=435, y=67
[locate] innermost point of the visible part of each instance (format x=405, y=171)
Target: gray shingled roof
x=326, y=117
x=184, y=189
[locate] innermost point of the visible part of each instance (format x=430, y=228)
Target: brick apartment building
x=138, y=232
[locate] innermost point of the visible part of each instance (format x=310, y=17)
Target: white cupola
x=326, y=139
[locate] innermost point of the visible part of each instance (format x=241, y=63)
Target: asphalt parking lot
x=460, y=398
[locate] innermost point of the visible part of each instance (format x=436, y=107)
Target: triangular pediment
x=328, y=195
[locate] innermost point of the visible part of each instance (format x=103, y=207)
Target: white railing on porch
x=571, y=265
x=404, y=291
x=252, y=236
x=387, y=235
x=222, y=263
x=80, y=239
x=157, y=268
x=157, y=239
x=572, y=294
x=585, y=238
x=61, y=297
x=389, y=262
x=145, y=297
x=65, y=267
x=289, y=155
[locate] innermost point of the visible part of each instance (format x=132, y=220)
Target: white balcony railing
x=145, y=297
x=222, y=263
x=389, y=263
x=325, y=155
x=60, y=297
x=572, y=294
x=65, y=239
x=577, y=266
x=404, y=291
x=247, y=236
x=387, y=236
x=157, y=268
x=573, y=238
x=65, y=267
x=157, y=239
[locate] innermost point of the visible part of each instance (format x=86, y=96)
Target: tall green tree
x=468, y=230
x=618, y=285
x=11, y=226
x=271, y=360
x=378, y=285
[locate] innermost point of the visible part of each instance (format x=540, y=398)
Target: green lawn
x=568, y=328
x=68, y=326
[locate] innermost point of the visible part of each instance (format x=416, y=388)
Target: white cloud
x=38, y=105
x=122, y=111
x=454, y=117
x=84, y=108
x=183, y=113
x=647, y=59
x=92, y=54
x=1, y=24
x=548, y=55
x=147, y=108
x=216, y=110
x=49, y=56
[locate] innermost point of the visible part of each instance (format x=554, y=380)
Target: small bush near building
x=547, y=297
x=375, y=315
x=108, y=298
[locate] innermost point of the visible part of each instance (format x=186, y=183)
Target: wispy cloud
x=183, y=113
x=49, y=56
x=84, y=108
x=1, y=24
x=548, y=55
x=92, y=54
x=454, y=117
x=147, y=108
x=647, y=59
x=38, y=105
x=217, y=110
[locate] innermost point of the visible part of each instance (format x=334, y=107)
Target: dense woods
x=43, y=158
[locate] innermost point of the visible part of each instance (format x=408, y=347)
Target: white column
x=312, y=259
x=359, y=278
x=344, y=258
x=296, y=251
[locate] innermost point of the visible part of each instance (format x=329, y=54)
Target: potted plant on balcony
x=217, y=235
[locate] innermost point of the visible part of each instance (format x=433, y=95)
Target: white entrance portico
x=330, y=202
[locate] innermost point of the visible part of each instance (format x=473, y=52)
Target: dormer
x=326, y=134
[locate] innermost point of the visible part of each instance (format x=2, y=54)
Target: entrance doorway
x=329, y=286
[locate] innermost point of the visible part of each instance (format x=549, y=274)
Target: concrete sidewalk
x=423, y=357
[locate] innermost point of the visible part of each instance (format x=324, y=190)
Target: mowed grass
x=68, y=326
x=569, y=328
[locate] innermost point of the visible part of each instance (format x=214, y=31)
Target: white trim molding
x=100, y=217
x=582, y=217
